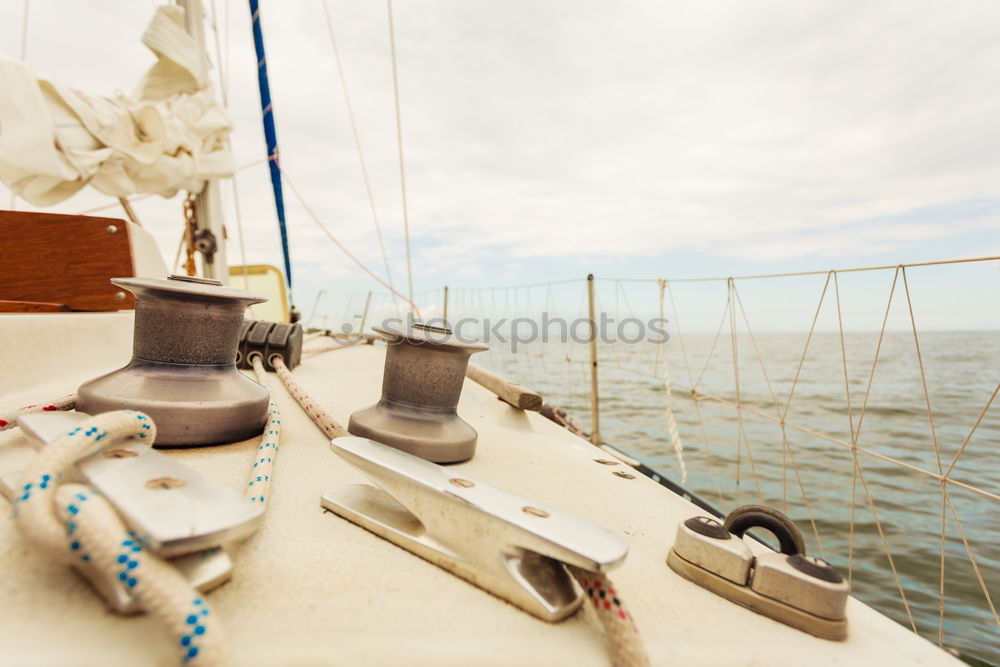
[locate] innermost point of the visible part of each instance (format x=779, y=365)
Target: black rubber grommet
x=704, y=525
x=815, y=567
x=742, y=519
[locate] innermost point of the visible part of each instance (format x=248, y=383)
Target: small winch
x=183, y=372
x=422, y=382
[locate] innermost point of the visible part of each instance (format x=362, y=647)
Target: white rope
x=357, y=141
x=675, y=436
x=8, y=419
x=619, y=629
x=326, y=423
x=53, y=516
x=73, y=522
x=258, y=489
x=399, y=143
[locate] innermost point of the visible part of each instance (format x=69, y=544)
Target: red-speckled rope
x=326, y=423
x=619, y=628
x=7, y=419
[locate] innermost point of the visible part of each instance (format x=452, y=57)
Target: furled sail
x=170, y=134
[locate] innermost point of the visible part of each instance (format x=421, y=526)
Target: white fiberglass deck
x=313, y=589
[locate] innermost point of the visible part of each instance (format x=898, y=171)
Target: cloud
x=760, y=131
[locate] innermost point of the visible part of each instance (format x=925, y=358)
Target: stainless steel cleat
x=509, y=546
x=172, y=509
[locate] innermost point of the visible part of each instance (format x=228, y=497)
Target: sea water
x=806, y=468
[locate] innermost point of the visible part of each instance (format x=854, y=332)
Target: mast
x=271, y=139
x=209, y=234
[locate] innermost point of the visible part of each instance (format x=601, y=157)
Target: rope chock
x=269, y=340
x=802, y=591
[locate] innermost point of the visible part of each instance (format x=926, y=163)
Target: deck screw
x=111, y=229
x=464, y=483
x=606, y=462
x=165, y=483
x=624, y=475
x=118, y=453
x=534, y=511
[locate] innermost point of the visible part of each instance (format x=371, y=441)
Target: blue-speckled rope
x=258, y=488
x=74, y=523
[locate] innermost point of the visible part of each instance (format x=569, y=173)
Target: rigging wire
x=357, y=141
x=312, y=214
x=399, y=143
x=24, y=30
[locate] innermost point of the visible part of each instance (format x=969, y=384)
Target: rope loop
x=77, y=525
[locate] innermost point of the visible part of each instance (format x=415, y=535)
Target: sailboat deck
x=310, y=588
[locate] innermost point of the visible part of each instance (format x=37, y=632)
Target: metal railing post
x=595, y=413
x=445, y=315
x=364, y=315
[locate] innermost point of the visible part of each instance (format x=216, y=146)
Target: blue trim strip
x=270, y=136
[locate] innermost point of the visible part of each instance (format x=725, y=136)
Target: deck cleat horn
x=422, y=382
x=183, y=372
x=509, y=546
x=801, y=591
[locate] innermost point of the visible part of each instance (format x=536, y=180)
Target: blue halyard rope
x=270, y=136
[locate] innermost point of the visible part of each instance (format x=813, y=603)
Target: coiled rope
x=75, y=524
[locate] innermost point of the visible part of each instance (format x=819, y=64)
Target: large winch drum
x=183, y=372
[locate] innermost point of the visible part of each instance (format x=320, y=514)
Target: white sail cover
x=170, y=134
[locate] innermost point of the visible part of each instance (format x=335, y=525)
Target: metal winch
x=422, y=382
x=183, y=372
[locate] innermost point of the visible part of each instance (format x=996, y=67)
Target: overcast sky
x=545, y=140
